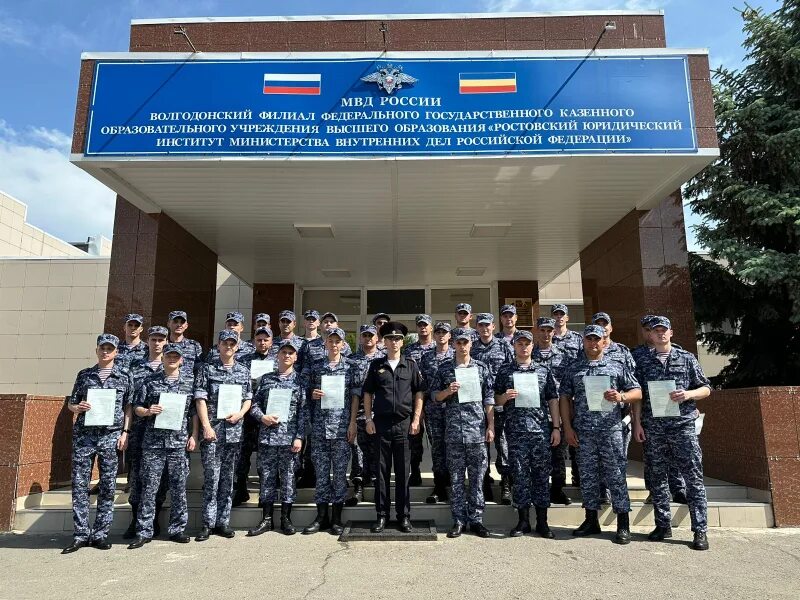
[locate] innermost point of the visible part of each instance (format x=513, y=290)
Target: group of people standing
x=311, y=408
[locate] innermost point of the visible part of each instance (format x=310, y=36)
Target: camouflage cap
x=107, y=338
x=442, y=326
x=338, y=331
x=594, y=330
x=311, y=314
x=234, y=316
x=263, y=317
x=290, y=343
x=559, y=307
x=331, y=315
x=463, y=335
x=227, y=334
x=660, y=321
x=368, y=329
x=464, y=306
x=157, y=330
x=423, y=318
x=173, y=349
x=521, y=334
x=381, y=315
x=484, y=318
x=508, y=308
x=287, y=314
x=178, y=314
x=601, y=316
x=264, y=331
x=546, y=322
x=134, y=317
x=645, y=320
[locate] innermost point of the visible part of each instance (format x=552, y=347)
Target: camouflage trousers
x=154, y=461
x=82, y=461
x=435, y=426
x=601, y=458
x=219, y=466
x=501, y=461
x=330, y=458
x=364, y=459
x=472, y=459
x=558, y=461
x=133, y=456
x=674, y=477
x=676, y=447
x=529, y=455
x=276, y=465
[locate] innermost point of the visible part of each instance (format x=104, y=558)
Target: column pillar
x=157, y=266
x=640, y=266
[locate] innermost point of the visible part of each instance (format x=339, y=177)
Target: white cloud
x=62, y=200
x=563, y=5
x=43, y=38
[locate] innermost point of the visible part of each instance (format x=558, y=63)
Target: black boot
x=320, y=521
x=590, y=525
x=240, y=493
x=488, y=492
x=659, y=534
x=557, y=495
x=438, y=485
x=623, y=529
x=130, y=532
x=542, y=528
x=524, y=524
x=415, y=478
x=700, y=541
x=358, y=494
x=336, y=519
x=505, y=490
x=156, y=519
x=287, y=527
x=266, y=521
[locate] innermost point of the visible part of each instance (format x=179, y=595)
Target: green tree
x=749, y=201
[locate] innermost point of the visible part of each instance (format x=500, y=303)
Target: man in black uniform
x=393, y=393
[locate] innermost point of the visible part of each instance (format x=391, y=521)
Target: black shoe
x=438, y=484
x=138, y=543
x=623, y=535
x=524, y=524
x=505, y=491
x=320, y=522
x=455, y=530
x=287, y=527
x=224, y=531
x=590, y=525
x=700, y=541
x=433, y=498
x=479, y=529
x=649, y=499
x=415, y=478
x=266, y=523
x=75, y=546
x=542, y=528
x=180, y=538
x=241, y=495
x=358, y=494
x=101, y=544
x=679, y=497
x=405, y=525
x=557, y=495
x=379, y=525
x=204, y=534
x=659, y=534
x=336, y=519
x=130, y=532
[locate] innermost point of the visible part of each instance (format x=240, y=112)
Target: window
x=444, y=301
x=341, y=302
x=395, y=302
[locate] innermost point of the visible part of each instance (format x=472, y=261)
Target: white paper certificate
x=660, y=402
x=259, y=368
x=527, y=386
x=229, y=399
x=333, y=388
x=470, y=387
x=173, y=407
x=103, y=402
x=596, y=386
x=278, y=403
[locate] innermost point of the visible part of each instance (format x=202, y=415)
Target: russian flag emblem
x=293, y=83
x=487, y=83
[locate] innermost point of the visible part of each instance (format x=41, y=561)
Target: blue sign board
x=403, y=107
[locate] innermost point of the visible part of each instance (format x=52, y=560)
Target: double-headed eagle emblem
x=390, y=78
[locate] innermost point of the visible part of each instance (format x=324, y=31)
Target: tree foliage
x=749, y=201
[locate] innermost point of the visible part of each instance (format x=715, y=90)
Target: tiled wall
x=233, y=294
x=17, y=238
x=51, y=310
x=566, y=286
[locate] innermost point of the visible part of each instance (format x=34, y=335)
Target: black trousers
x=392, y=448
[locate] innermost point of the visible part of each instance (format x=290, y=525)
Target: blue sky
x=41, y=42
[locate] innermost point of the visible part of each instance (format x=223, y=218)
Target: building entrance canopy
x=397, y=169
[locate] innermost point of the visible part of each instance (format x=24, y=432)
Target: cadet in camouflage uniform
x=673, y=440
x=414, y=351
x=313, y=350
x=363, y=465
x=565, y=339
x=178, y=323
x=462, y=317
x=140, y=370
x=599, y=432
x=133, y=348
x=494, y=353
x=102, y=442
x=234, y=321
x=222, y=434
x=556, y=360
x=165, y=448
x=279, y=442
x=529, y=434
x=434, y=411
x=330, y=448
x=379, y=320
x=468, y=426
x=508, y=321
